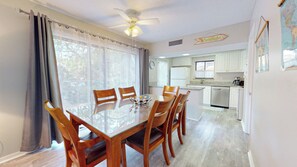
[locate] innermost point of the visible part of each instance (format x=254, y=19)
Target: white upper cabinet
x=182, y=61
x=230, y=61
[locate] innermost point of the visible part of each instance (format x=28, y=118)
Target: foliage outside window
x=83, y=67
x=204, y=69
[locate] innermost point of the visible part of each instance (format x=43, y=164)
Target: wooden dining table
x=114, y=122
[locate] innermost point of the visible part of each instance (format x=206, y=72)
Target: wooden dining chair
x=127, y=92
x=103, y=96
x=83, y=152
x=175, y=119
x=151, y=137
x=170, y=90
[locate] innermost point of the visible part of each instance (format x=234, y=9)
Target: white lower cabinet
x=236, y=98
x=206, y=95
x=234, y=95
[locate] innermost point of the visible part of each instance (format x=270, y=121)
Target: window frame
x=203, y=61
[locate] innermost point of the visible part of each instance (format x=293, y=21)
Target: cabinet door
x=220, y=63
x=234, y=95
x=234, y=63
x=206, y=95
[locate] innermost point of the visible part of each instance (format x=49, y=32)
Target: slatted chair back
x=170, y=90
x=103, y=96
x=127, y=92
x=67, y=130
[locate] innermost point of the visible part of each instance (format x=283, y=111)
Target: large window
x=84, y=66
x=204, y=69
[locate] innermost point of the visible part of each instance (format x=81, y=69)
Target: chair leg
x=146, y=159
x=165, y=152
x=124, y=161
x=68, y=161
x=170, y=144
x=179, y=135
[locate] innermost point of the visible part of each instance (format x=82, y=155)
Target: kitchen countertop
x=187, y=88
x=215, y=84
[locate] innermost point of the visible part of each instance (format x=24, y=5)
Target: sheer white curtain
x=86, y=63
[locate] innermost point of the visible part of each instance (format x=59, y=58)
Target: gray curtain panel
x=43, y=84
x=144, y=70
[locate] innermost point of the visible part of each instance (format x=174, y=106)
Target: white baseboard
x=251, y=160
x=12, y=156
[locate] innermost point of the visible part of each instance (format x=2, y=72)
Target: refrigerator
x=180, y=76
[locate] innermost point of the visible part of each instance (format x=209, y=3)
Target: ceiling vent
x=176, y=42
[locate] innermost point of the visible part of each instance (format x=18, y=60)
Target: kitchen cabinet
x=182, y=61
x=194, y=104
x=206, y=95
x=230, y=61
x=234, y=95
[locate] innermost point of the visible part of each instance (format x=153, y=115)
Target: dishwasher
x=220, y=96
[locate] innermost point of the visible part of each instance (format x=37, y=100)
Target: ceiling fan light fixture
x=133, y=31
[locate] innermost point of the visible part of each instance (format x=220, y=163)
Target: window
x=204, y=69
x=83, y=67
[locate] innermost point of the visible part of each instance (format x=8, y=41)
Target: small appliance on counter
x=238, y=82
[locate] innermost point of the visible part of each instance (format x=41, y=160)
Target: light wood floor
x=216, y=140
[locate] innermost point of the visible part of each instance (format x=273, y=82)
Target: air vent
x=177, y=42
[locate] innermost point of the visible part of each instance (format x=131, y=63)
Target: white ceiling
x=177, y=17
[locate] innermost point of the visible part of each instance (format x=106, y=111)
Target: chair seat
x=95, y=152
x=98, y=150
x=138, y=138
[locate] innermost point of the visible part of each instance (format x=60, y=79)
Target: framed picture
x=262, y=46
x=289, y=34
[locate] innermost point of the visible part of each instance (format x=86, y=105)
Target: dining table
x=114, y=122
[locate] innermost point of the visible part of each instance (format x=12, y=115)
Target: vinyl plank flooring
x=217, y=140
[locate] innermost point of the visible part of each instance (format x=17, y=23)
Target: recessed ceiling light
x=186, y=54
x=162, y=57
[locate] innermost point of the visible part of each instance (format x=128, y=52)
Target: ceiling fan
x=131, y=17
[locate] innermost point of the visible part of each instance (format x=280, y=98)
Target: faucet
x=202, y=81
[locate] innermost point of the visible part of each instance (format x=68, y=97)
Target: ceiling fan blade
x=119, y=26
x=148, y=21
x=123, y=14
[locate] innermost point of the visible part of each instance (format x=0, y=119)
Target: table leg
x=184, y=120
x=113, y=151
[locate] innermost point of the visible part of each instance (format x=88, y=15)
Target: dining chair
x=175, y=119
x=151, y=137
x=83, y=152
x=103, y=96
x=127, y=92
x=170, y=90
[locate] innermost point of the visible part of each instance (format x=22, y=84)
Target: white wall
x=14, y=58
x=273, y=139
x=238, y=37
x=14, y=54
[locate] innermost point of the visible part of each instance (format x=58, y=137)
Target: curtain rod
x=83, y=31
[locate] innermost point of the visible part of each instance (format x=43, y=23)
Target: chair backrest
x=127, y=92
x=67, y=130
x=158, y=116
x=102, y=96
x=170, y=90
x=178, y=106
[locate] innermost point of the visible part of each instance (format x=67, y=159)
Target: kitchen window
x=204, y=69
